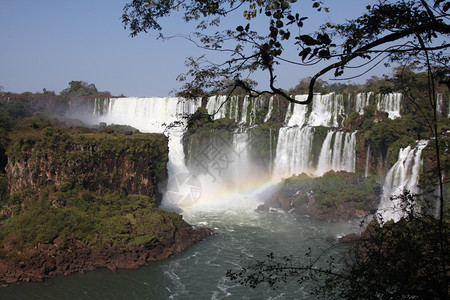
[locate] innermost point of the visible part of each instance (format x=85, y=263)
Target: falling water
x=293, y=150
x=298, y=116
x=146, y=114
x=362, y=100
x=269, y=111
x=340, y=156
x=390, y=103
x=404, y=175
x=366, y=171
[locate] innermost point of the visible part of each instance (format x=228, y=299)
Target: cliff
x=81, y=199
x=40, y=155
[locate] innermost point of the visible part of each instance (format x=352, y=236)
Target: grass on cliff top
x=114, y=219
x=38, y=134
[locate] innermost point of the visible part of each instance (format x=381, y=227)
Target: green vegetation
x=36, y=138
x=334, y=189
x=81, y=88
x=73, y=183
x=113, y=219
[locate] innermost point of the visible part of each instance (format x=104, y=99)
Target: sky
x=48, y=43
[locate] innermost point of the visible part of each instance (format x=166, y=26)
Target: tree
x=82, y=88
x=388, y=30
x=79, y=88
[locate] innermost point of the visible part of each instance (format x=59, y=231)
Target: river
x=241, y=234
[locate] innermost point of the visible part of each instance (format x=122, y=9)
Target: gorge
x=317, y=162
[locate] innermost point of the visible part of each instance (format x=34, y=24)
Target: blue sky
x=47, y=43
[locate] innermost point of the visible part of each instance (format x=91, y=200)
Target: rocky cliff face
x=83, y=199
x=101, y=162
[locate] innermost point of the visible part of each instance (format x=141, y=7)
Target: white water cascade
x=293, y=154
x=293, y=150
x=390, y=103
x=337, y=157
x=145, y=114
x=404, y=175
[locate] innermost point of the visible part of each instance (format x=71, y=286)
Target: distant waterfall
x=298, y=116
x=145, y=114
x=390, y=103
x=293, y=154
x=337, y=157
x=217, y=106
x=269, y=111
x=404, y=175
x=362, y=100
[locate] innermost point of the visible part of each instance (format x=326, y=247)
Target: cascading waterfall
x=340, y=156
x=404, y=175
x=297, y=137
x=269, y=111
x=293, y=154
x=216, y=106
x=390, y=103
x=293, y=150
x=362, y=100
x=245, y=104
x=298, y=117
x=326, y=110
x=366, y=171
x=145, y=114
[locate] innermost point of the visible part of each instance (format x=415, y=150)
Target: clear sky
x=47, y=43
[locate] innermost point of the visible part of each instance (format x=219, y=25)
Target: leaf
x=304, y=53
x=308, y=40
x=324, y=53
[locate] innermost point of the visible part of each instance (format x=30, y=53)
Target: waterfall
x=339, y=157
x=404, y=175
x=217, y=106
x=145, y=114
x=293, y=150
x=298, y=116
x=366, y=171
x=326, y=110
x=362, y=100
x=325, y=156
x=234, y=108
x=390, y=103
x=269, y=110
x=245, y=104
x=241, y=169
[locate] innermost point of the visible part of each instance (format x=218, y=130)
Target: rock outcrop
x=73, y=255
x=335, y=197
